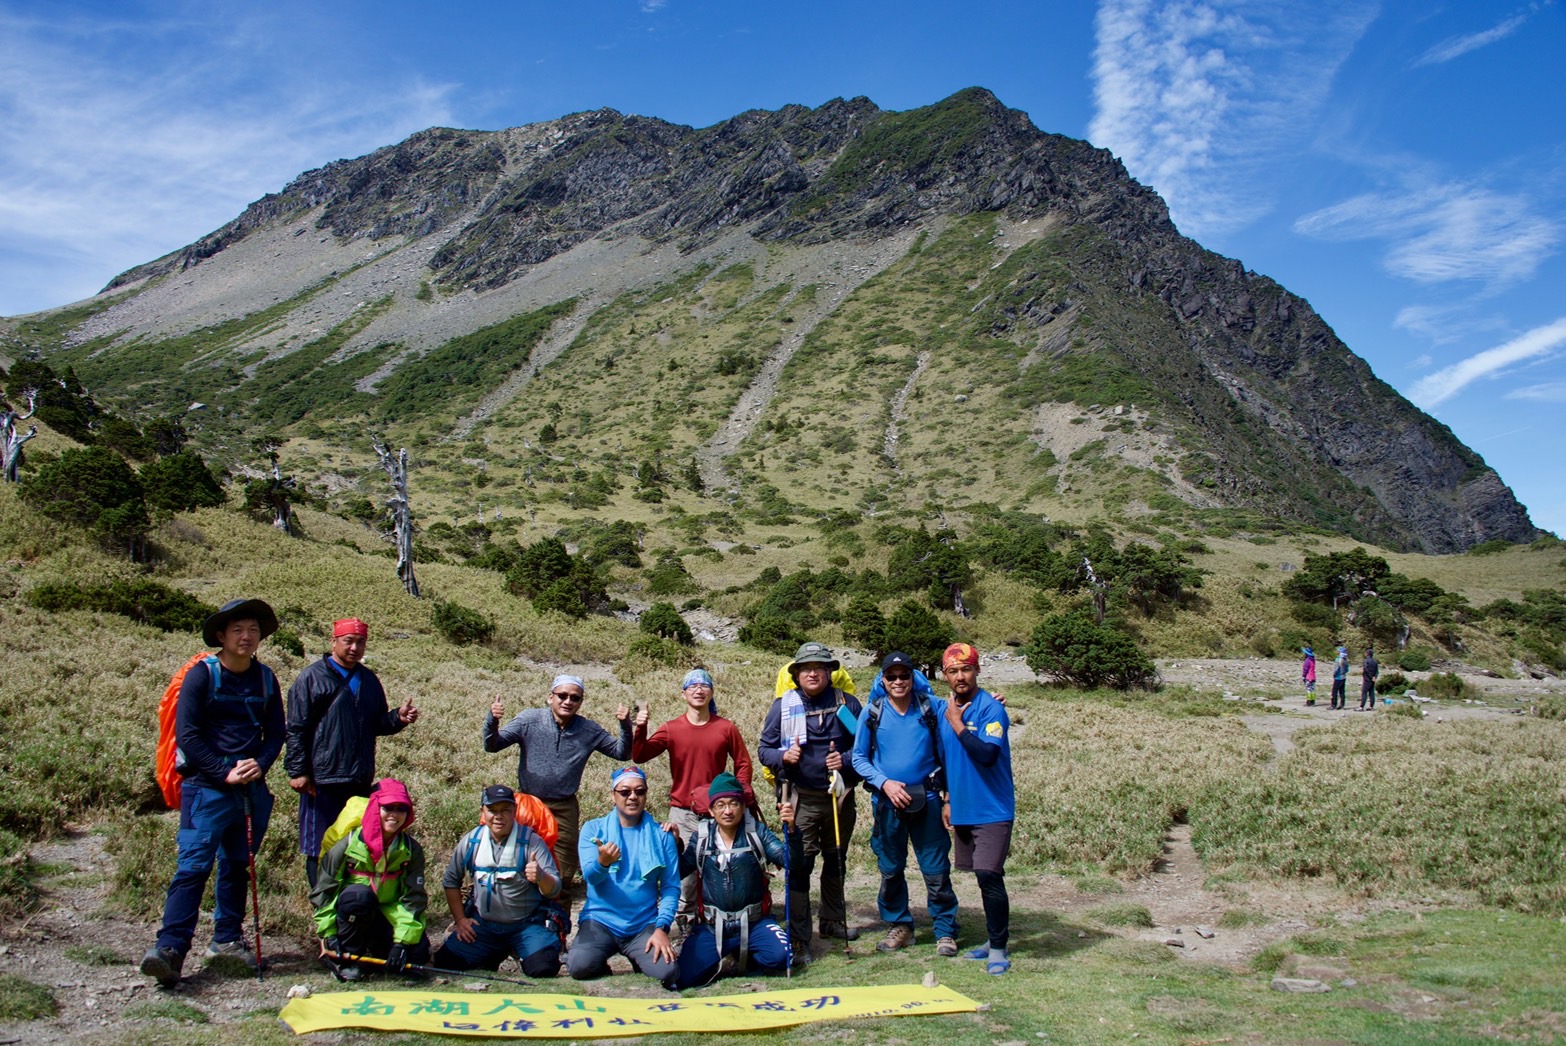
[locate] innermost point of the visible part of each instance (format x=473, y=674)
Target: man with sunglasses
x=631, y=866
x=895, y=751
x=555, y=744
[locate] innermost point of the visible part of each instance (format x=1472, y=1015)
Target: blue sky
x=1401, y=164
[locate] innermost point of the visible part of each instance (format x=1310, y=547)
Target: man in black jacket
x=336, y=709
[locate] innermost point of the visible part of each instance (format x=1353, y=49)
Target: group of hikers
x=938, y=771
x=1369, y=670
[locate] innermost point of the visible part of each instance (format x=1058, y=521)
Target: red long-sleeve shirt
x=697, y=754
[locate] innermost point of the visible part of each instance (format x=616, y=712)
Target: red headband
x=350, y=626
x=960, y=654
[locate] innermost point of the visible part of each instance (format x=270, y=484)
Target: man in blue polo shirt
x=895, y=752
x=982, y=804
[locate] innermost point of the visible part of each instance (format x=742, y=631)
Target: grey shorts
x=982, y=847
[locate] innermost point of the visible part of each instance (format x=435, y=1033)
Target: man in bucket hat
x=806, y=743
x=336, y=709
x=230, y=731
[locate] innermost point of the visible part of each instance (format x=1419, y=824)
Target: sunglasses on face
x=898, y=677
x=395, y=808
x=566, y=697
x=627, y=793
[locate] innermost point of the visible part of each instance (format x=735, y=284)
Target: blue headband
x=627, y=771
x=565, y=680
x=695, y=676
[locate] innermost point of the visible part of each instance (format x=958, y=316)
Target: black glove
x=334, y=945
x=397, y=958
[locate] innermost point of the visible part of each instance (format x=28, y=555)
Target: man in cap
x=336, y=709
x=982, y=802
x=513, y=875
x=632, y=870
x=229, y=728
x=700, y=744
x=728, y=857
x=806, y=742
x=897, y=752
x=554, y=745
x=1340, y=670
x=1368, y=671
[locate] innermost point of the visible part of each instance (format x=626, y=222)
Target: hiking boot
x=350, y=971
x=802, y=958
x=897, y=936
x=946, y=946
x=239, y=949
x=842, y=931
x=162, y=965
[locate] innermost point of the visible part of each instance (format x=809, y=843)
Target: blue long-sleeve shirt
x=904, y=751
x=639, y=890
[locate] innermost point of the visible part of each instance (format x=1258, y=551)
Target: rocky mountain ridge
x=378, y=262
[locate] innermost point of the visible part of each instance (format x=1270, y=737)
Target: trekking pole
x=420, y=968
x=255, y=893
x=837, y=841
x=788, y=920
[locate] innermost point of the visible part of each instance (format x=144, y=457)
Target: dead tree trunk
x=11, y=449
x=402, y=513
x=1100, y=591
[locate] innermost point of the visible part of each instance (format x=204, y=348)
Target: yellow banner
x=508, y=1015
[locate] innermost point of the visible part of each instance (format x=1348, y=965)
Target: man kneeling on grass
x=632, y=870
x=369, y=895
x=728, y=856
x=514, y=879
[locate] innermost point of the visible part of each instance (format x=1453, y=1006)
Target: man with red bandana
x=981, y=803
x=336, y=710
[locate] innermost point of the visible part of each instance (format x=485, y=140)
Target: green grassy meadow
x=1439, y=847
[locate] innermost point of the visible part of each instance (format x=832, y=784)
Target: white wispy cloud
x=1451, y=231
x=650, y=7
x=1546, y=392
x=1446, y=323
x=110, y=157
x=1441, y=386
x=1457, y=46
x=1194, y=95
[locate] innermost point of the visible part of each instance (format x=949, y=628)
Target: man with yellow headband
x=982, y=803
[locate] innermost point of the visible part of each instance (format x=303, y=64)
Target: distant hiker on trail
x=631, y=867
x=700, y=744
x=982, y=801
x=1340, y=670
x=1308, y=674
x=514, y=876
x=897, y=751
x=556, y=742
x=369, y=897
x=728, y=856
x=807, y=744
x=230, y=732
x=1367, y=680
x=336, y=709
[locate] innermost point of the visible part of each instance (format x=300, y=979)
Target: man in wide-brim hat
x=229, y=728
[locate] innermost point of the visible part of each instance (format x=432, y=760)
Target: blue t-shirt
x=980, y=794
x=903, y=751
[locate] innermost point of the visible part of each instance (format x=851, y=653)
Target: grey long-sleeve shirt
x=553, y=756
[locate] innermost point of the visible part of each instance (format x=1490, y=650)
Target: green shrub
x=1407, y=709
x=16, y=875
x=287, y=639
x=660, y=651
x=1391, y=682
x=661, y=619
x=919, y=633
x=141, y=600
x=1414, y=659
x=1448, y=685
x=1083, y=653
x=668, y=577
x=1551, y=706
x=180, y=482
x=95, y=489
x=459, y=624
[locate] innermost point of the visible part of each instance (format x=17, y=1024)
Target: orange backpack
x=166, y=764
x=169, y=777
x=532, y=812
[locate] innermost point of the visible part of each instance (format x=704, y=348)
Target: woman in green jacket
x=369, y=897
